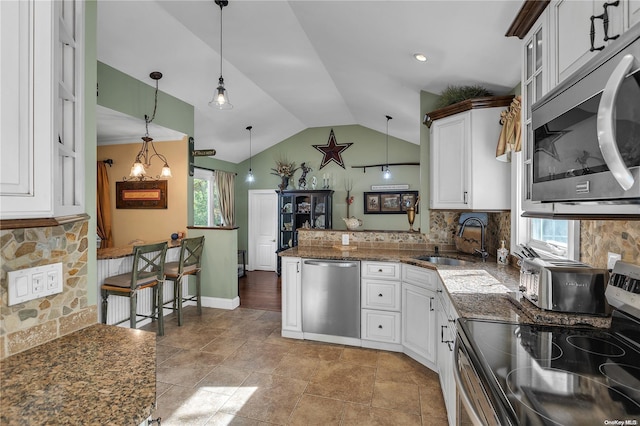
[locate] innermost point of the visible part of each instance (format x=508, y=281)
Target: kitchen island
x=98, y=375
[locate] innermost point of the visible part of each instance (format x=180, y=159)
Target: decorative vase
x=411, y=216
x=284, y=184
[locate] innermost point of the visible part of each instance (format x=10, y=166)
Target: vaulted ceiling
x=292, y=65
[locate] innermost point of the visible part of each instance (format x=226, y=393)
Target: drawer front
x=381, y=326
x=378, y=294
x=381, y=270
x=421, y=277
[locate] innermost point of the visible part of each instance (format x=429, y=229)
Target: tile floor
x=234, y=368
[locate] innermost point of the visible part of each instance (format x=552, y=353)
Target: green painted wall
x=427, y=103
x=121, y=92
x=219, y=276
x=369, y=147
x=90, y=79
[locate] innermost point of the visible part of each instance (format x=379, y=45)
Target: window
x=555, y=237
x=206, y=206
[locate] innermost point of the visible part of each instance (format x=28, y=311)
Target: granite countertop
x=118, y=252
x=481, y=290
x=102, y=374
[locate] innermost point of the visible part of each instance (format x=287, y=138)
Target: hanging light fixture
x=250, y=177
x=386, y=172
x=220, y=97
x=143, y=159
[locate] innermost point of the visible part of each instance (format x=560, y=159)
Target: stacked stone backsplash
x=443, y=228
x=32, y=323
x=598, y=237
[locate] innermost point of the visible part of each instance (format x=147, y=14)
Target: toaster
x=564, y=286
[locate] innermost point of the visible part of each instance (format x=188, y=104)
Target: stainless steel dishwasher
x=331, y=297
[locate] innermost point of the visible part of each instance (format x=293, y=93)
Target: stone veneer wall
x=32, y=323
x=598, y=237
x=444, y=225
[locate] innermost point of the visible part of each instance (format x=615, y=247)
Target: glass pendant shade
x=250, y=178
x=220, y=98
x=387, y=173
x=166, y=171
x=137, y=169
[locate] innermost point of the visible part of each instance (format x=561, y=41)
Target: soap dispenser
x=503, y=254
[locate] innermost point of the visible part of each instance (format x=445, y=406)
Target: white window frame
x=208, y=175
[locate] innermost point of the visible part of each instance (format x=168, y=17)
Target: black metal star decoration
x=332, y=151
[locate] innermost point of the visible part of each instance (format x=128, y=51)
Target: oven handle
x=605, y=124
x=464, y=396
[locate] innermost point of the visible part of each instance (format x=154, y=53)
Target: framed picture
x=372, y=203
x=141, y=194
x=388, y=202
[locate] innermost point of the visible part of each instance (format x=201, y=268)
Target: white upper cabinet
x=581, y=29
x=41, y=109
x=464, y=171
x=632, y=13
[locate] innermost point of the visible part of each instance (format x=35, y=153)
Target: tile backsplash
x=598, y=237
x=32, y=323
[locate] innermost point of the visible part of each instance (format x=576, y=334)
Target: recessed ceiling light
x=420, y=57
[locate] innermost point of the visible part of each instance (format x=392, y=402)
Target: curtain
x=511, y=136
x=225, y=183
x=103, y=207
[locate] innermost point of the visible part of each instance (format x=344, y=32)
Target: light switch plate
x=34, y=283
x=345, y=239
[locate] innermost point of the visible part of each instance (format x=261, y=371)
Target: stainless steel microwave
x=586, y=131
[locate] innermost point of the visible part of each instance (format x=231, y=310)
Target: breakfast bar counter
x=98, y=375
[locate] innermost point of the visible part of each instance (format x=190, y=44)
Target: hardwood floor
x=260, y=290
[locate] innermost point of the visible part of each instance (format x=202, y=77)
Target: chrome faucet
x=482, y=251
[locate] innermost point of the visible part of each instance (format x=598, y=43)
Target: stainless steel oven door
x=474, y=405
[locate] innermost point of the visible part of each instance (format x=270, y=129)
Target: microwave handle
x=605, y=124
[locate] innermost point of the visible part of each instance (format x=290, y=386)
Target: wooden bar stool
x=147, y=272
x=187, y=264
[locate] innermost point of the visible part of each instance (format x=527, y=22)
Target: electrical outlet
x=34, y=283
x=611, y=259
x=345, y=239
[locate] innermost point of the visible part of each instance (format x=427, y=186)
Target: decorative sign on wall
x=332, y=151
x=389, y=202
x=141, y=194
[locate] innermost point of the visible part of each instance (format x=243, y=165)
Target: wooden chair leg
x=133, y=304
x=105, y=296
x=198, y=303
x=159, y=313
x=178, y=299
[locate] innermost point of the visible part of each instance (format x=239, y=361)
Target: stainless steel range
x=524, y=374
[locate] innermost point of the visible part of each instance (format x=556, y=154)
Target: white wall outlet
x=611, y=259
x=345, y=239
x=33, y=283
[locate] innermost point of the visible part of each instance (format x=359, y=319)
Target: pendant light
x=220, y=97
x=386, y=174
x=143, y=159
x=250, y=177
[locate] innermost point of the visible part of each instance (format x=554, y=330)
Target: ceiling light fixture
x=420, y=57
x=250, y=177
x=386, y=172
x=221, y=98
x=142, y=158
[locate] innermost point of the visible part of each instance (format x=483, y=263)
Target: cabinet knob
x=380, y=326
x=380, y=295
x=379, y=270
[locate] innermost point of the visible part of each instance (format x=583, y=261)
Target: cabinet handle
x=442, y=327
x=380, y=326
x=465, y=196
x=449, y=345
x=605, y=20
x=592, y=33
x=431, y=303
x=298, y=267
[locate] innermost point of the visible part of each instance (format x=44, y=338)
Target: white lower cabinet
x=292, y=297
x=445, y=345
x=380, y=303
x=419, y=324
x=381, y=326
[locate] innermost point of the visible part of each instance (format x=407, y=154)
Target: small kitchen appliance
x=564, y=286
x=515, y=373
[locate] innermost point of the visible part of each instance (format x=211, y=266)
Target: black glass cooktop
x=560, y=375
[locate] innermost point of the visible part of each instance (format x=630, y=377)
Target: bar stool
x=147, y=272
x=188, y=264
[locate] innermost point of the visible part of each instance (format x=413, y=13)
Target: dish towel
x=472, y=237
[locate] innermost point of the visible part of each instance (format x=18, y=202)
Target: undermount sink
x=442, y=260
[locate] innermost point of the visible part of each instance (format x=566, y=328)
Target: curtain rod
x=212, y=170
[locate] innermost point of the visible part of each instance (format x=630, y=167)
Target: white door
x=263, y=226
